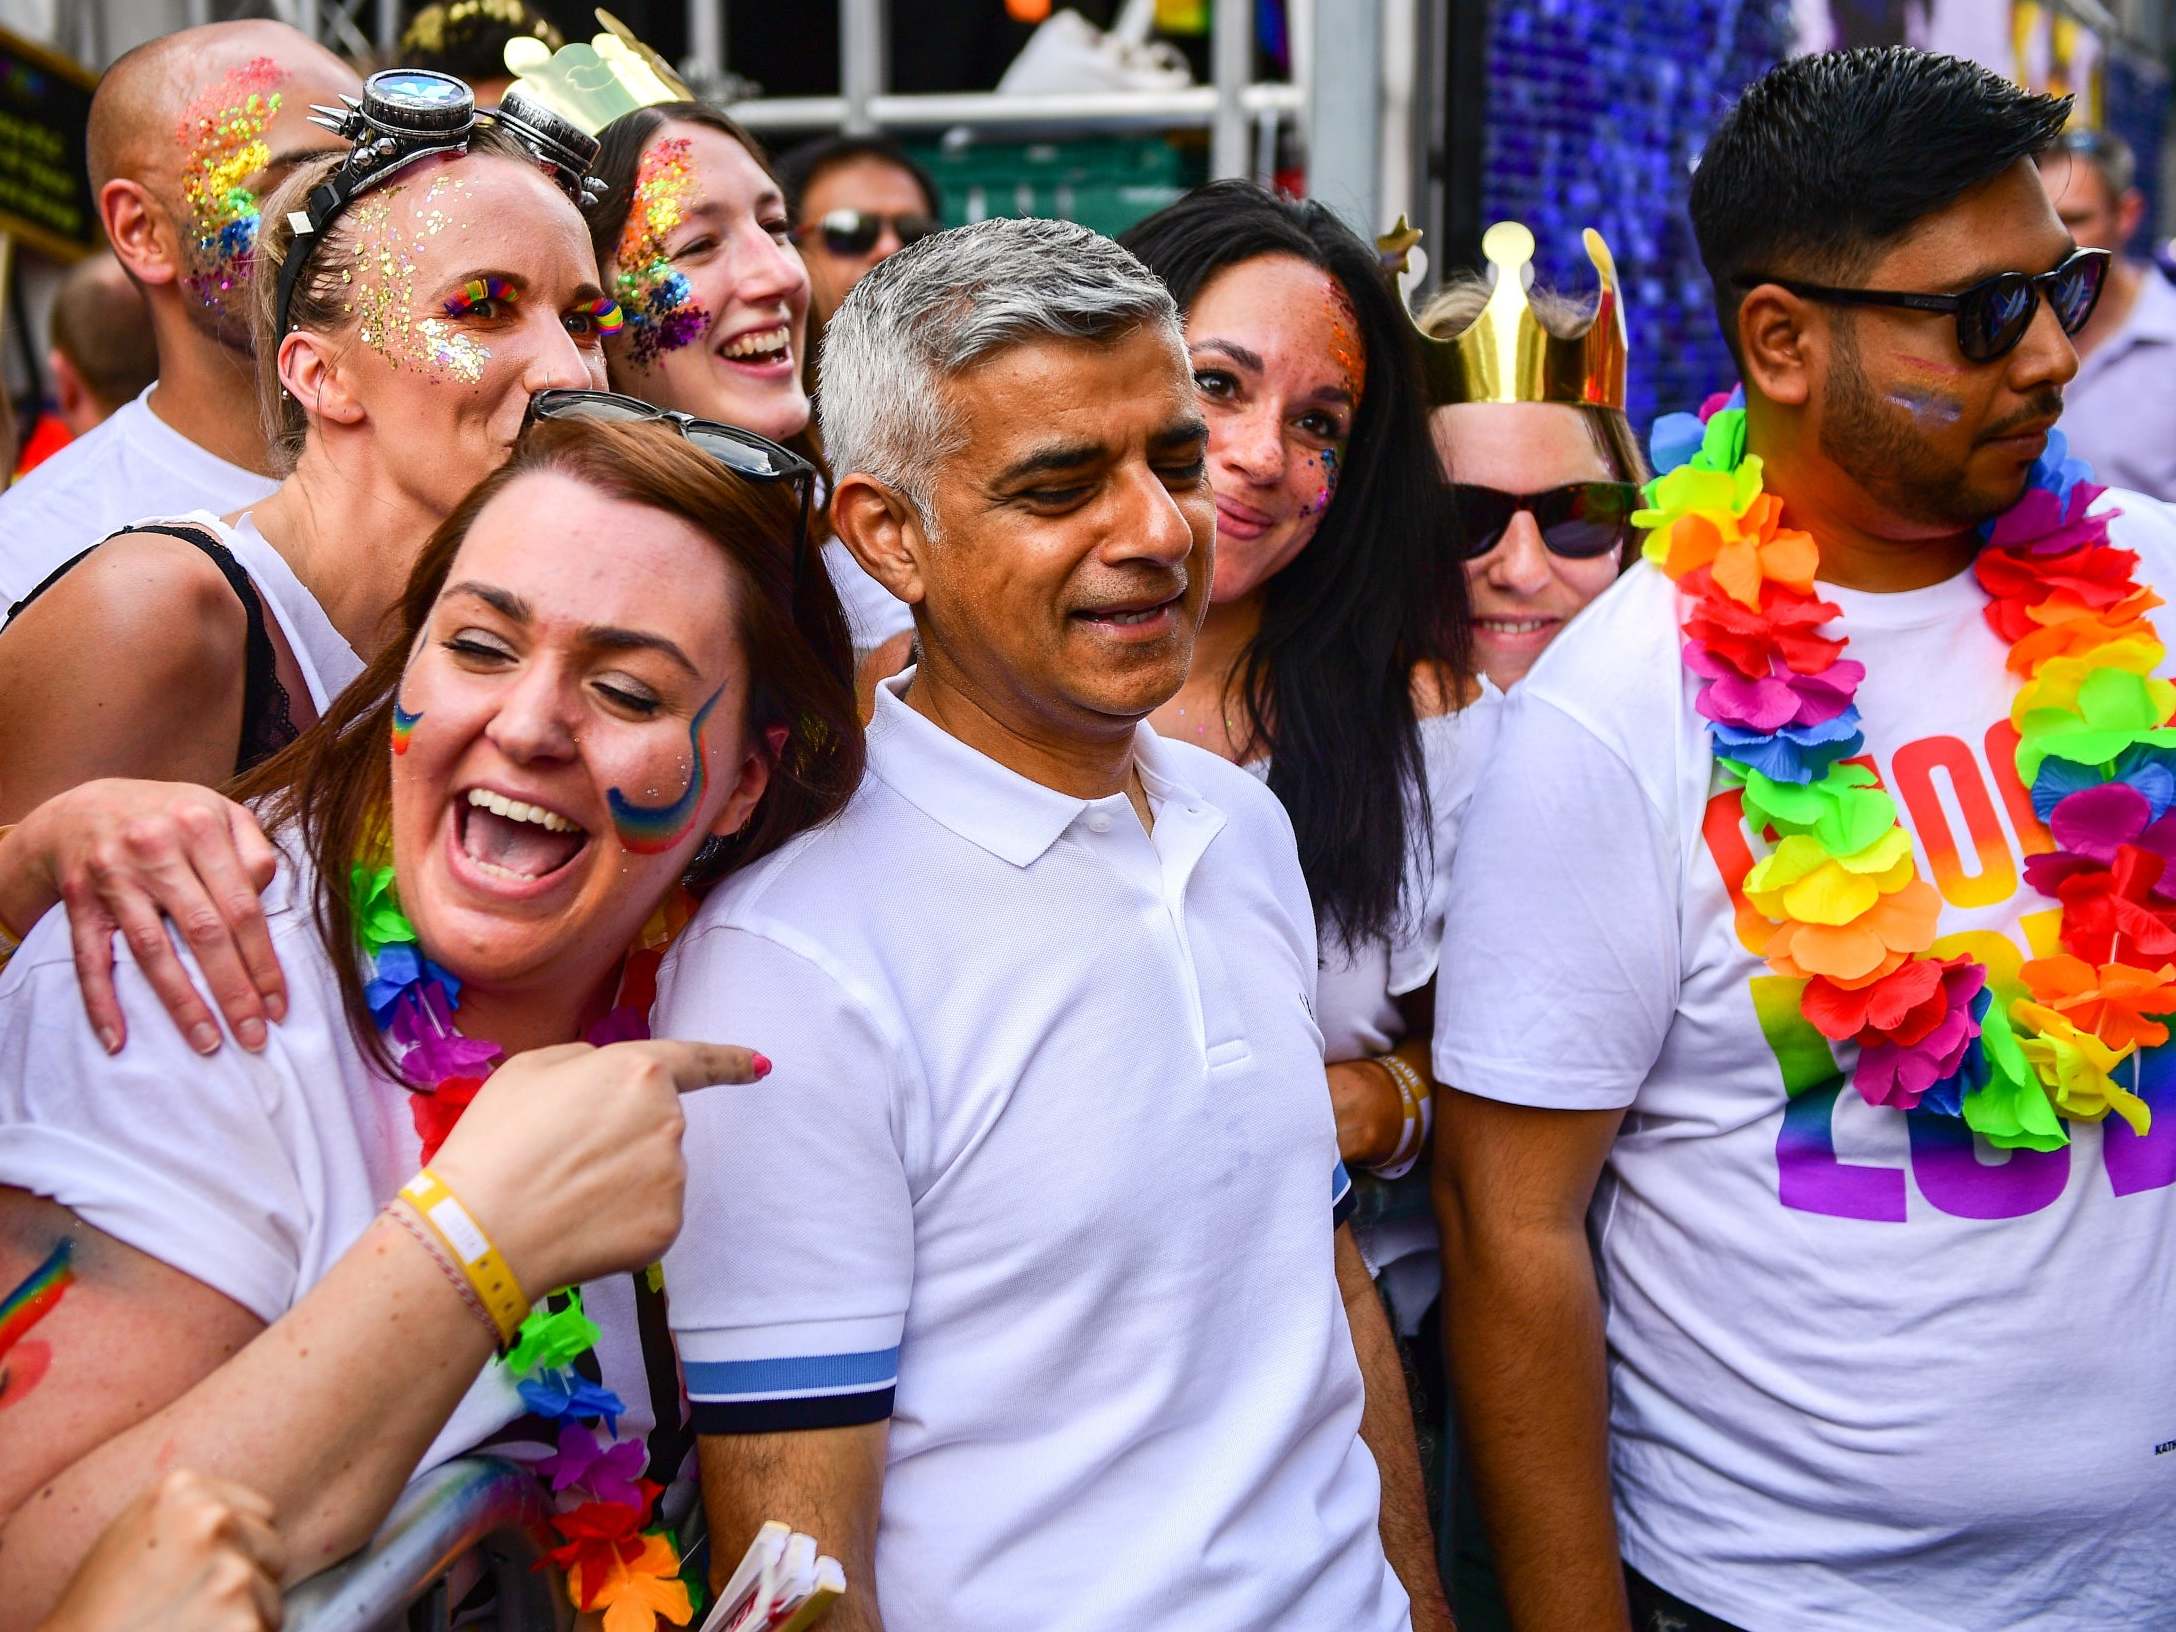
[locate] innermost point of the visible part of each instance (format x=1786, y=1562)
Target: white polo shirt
x=1045, y=1173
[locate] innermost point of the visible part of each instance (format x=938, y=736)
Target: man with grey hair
x=2120, y=412
x=1019, y=1282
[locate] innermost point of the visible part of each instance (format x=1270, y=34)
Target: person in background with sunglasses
x=855, y=200
x=2121, y=409
x=1545, y=493
x=1805, y=931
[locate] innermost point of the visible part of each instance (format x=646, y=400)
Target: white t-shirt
x=1045, y=1174
x=1865, y=1371
x=133, y=465
x=1357, y=992
x=254, y=1173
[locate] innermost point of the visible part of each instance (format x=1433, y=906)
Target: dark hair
x=1376, y=595
x=1826, y=160
x=467, y=38
x=332, y=784
x=799, y=169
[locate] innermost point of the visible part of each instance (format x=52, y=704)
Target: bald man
x=188, y=133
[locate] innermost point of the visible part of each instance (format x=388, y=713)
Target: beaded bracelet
x=486, y=1271
x=403, y=1214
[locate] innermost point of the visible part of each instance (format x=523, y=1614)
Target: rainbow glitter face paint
x=382, y=281
x=657, y=298
x=404, y=726
x=1330, y=459
x=22, y=1309
x=222, y=137
x=649, y=830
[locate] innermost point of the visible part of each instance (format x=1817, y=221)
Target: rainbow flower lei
x=616, y=1557
x=1846, y=911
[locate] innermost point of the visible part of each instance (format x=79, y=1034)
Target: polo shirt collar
x=970, y=793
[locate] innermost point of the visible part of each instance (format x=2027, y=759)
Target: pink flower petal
x=2093, y=821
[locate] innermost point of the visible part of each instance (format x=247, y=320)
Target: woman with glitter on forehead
x=695, y=243
x=433, y=306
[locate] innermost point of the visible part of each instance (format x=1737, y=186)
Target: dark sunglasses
x=743, y=452
x=1578, y=521
x=1993, y=315
x=855, y=232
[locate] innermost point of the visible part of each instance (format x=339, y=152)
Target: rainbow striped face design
x=23, y=1308
x=221, y=135
x=659, y=302
x=650, y=830
x=605, y=316
x=404, y=726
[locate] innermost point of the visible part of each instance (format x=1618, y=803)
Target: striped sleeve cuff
x=1341, y=1197
x=736, y=1388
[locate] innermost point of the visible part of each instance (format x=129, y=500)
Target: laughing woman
x=429, y=309
x=696, y=246
x=292, y=1269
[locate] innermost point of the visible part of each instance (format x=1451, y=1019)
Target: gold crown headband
x=594, y=82
x=1505, y=355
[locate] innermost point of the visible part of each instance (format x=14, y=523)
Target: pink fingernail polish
x=760, y=1065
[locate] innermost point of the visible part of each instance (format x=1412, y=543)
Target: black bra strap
x=267, y=724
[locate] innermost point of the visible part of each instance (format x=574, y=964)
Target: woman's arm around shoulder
x=132, y=664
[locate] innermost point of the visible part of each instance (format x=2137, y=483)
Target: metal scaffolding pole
x=706, y=37
x=1344, y=126
x=861, y=63
x=1193, y=108
x=1231, y=56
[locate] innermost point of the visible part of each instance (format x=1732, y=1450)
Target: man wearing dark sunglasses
x=1834, y=1384
x=855, y=201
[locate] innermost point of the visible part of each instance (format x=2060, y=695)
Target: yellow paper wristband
x=487, y=1272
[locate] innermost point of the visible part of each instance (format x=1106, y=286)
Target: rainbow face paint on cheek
x=658, y=301
x=404, y=726
x=222, y=134
x=1329, y=458
x=28, y=1304
x=650, y=830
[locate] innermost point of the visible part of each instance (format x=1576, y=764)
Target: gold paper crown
x=593, y=82
x=1505, y=355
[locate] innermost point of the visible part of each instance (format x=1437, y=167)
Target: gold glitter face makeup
x=658, y=304
x=222, y=137
x=381, y=279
